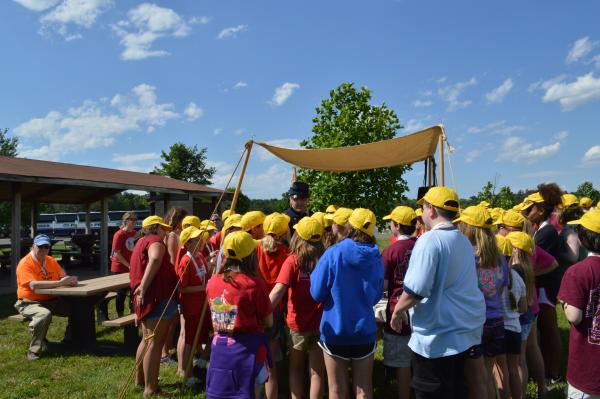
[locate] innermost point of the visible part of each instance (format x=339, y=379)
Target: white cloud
x=413, y=125
x=217, y=131
x=592, y=156
x=193, y=112
x=135, y=158
x=544, y=174
x=144, y=25
x=580, y=49
x=283, y=93
x=240, y=85
x=562, y=135
x=81, y=13
x=232, y=31
x=451, y=94
x=420, y=103
x=239, y=132
x=94, y=124
x=471, y=155
x=499, y=127
x=38, y=5
x=271, y=182
x=265, y=155
x=199, y=20
x=546, y=84
x=497, y=95
x=571, y=95
x=517, y=149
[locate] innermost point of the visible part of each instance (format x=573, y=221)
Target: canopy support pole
x=241, y=179
x=441, y=149
x=15, y=233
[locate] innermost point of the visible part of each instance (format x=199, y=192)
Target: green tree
x=505, y=198
x=586, y=189
x=8, y=145
x=344, y=119
x=185, y=163
x=486, y=193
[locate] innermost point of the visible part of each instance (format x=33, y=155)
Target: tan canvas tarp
x=398, y=151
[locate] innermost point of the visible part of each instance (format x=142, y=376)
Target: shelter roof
x=55, y=182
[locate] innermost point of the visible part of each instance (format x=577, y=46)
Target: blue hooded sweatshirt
x=348, y=280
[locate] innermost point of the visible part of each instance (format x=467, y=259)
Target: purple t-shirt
x=491, y=283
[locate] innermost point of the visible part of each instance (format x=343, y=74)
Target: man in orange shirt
x=39, y=270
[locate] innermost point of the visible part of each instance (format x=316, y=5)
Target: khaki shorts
x=303, y=341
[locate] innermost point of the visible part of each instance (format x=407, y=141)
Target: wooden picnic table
x=82, y=299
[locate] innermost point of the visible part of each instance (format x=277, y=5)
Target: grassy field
x=64, y=374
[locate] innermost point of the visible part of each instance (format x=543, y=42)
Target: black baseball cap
x=298, y=189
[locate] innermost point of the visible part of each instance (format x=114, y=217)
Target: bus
x=70, y=224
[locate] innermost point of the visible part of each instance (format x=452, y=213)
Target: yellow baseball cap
x=276, y=223
x=340, y=216
x=504, y=245
x=364, y=220
x=476, y=216
x=521, y=240
x=484, y=204
x=190, y=220
x=190, y=233
x=496, y=213
x=331, y=209
x=208, y=225
x=535, y=198
x=238, y=245
x=511, y=218
x=309, y=229
x=321, y=218
x=568, y=201
x=234, y=220
x=585, y=202
x=155, y=219
x=252, y=219
x=441, y=197
x=403, y=215
x=590, y=220
x=419, y=212
x=519, y=207
x=226, y=213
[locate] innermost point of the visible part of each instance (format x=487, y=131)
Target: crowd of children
x=475, y=288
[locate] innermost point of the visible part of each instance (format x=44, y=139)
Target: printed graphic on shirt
x=488, y=278
x=130, y=243
x=593, y=311
x=200, y=273
x=223, y=314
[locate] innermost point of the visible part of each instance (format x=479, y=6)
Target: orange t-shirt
x=29, y=270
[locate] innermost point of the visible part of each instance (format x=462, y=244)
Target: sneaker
x=167, y=360
x=554, y=380
x=32, y=356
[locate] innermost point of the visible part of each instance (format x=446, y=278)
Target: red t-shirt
x=395, y=262
x=215, y=240
x=195, y=274
x=304, y=314
x=580, y=288
x=270, y=264
x=393, y=239
x=123, y=241
x=239, y=305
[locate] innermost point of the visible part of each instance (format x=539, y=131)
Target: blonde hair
x=484, y=242
x=522, y=259
x=270, y=244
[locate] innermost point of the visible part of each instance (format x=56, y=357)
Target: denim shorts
x=170, y=312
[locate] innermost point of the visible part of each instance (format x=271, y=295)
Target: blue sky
x=112, y=83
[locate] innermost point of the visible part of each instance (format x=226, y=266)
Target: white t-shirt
x=511, y=315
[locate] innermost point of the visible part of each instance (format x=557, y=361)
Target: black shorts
x=512, y=342
x=442, y=377
x=349, y=352
x=492, y=340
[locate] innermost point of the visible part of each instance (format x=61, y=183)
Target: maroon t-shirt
x=124, y=242
x=580, y=288
x=164, y=281
x=395, y=262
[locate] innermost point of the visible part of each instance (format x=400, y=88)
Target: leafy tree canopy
x=586, y=189
x=347, y=118
x=8, y=145
x=185, y=163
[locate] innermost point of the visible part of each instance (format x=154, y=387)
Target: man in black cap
x=299, y=196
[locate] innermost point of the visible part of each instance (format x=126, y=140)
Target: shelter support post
x=88, y=218
x=15, y=233
x=241, y=179
x=441, y=162
x=33, y=216
x=104, y=237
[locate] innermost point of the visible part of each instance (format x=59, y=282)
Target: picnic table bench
x=82, y=299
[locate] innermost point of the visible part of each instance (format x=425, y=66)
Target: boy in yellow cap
x=396, y=353
x=585, y=203
x=348, y=280
x=580, y=295
x=252, y=223
x=447, y=325
x=240, y=309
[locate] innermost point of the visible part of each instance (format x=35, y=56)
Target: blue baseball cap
x=41, y=239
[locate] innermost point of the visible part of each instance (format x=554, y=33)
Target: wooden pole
x=15, y=233
x=441, y=149
x=88, y=218
x=239, y=185
x=33, y=218
x=104, y=238
x=294, y=175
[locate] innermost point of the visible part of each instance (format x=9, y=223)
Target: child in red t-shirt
x=240, y=309
x=304, y=314
x=192, y=270
x=580, y=294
